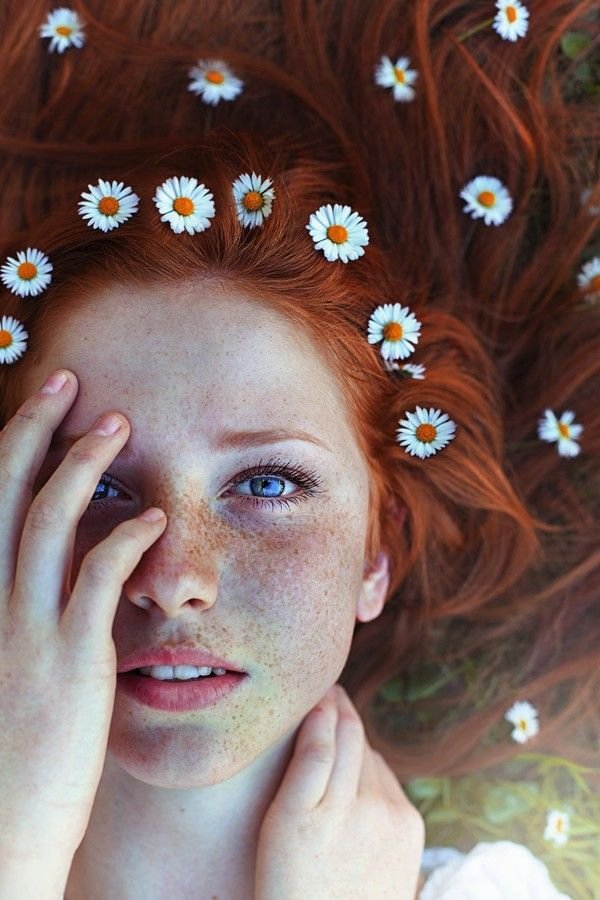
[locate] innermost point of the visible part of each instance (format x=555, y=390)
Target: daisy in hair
x=524, y=717
x=425, y=432
x=13, y=339
x=397, y=327
x=557, y=827
x=339, y=232
x=512, y=19
x=408, y=369
x=561, y=430
x=65, y=29
x=399, y=77
x=213, y=80
x=28, y=274
x=487, y=199
x=253, y=199
x=588, y=279
x=184, y=204
x=108, y=204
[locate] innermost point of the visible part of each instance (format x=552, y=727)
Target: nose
x=180, y=570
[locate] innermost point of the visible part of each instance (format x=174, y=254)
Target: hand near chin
x=340, y=825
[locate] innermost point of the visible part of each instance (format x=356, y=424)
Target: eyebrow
x=228, y=439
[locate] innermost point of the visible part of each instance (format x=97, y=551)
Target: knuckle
x=353, y=727
x=30, y=413
x=84, y=452
x=98, y=567
x=318, y=751
x=43, y=515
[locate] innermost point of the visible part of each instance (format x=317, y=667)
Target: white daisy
x=65, y=29
x=338, y=232
x=184, y=204
x=511, y=20
x=214, y=81
x=397, y=327
x=399, y=77
x=108, y=204
x=557, y=827
x=408, y=369
x=253, y=199
x=562, y=430
x=424, y=432
x=588, y=279
x=585, y=198
x=13, y=339
x=487, y=199
x=524, y=717
x=28, y=274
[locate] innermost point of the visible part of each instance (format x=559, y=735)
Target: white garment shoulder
x=501, y=870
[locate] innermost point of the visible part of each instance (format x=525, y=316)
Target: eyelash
x=306, y=479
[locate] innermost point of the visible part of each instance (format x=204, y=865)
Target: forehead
x=204, y=354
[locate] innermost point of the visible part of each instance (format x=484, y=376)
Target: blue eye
x=268, y=478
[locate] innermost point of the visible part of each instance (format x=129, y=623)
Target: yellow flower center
x=184, y=206
x=337, y=234
x=564, y=429
x=393, y=331
x=511, y=14
x=27, y=271
x=5, y=338
x=108, y=206
x=594, y=284
x=425, y=432
x=64, y=30
x=487, y=198
x=522, y=724
x=559, y=824
x=215, y=77
x=253, y=200
x=400, y=76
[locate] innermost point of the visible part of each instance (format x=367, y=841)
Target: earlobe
x=374, y=589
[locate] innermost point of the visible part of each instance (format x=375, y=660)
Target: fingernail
x=54, y=383
x=108, y=424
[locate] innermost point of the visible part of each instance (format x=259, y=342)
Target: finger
x=91, y=610
x=49, y=532
x=307, y=774
x=24, y=443
x=387, y=779
x=350, y=754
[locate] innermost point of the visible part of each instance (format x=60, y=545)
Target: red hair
x=495, y=558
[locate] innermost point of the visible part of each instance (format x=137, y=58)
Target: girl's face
x=274, y=584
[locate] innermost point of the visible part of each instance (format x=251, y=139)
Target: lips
x=172, y=656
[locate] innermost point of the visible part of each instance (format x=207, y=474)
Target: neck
x=145, y=842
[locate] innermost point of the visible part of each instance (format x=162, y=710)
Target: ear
x=376, y=580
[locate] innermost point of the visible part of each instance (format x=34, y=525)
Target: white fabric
x=501, y=870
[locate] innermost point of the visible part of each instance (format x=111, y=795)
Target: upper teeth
x=166, y=673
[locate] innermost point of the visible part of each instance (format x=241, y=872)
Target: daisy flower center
x=253, y=200
x=559, y=824
x=184, y=206
x=108, y=206
x=425, y=432
x=393, y=331
x=487, y=198
x=64, y=30
x=522, y=724
x=399, y=73
x=337, y=234
x=215, y=77
x=5, y=338
x=564, y=429
x=27, y=271
x=595, y=283
x=511, y=14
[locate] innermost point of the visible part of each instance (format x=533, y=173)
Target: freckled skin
x=277, y=591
